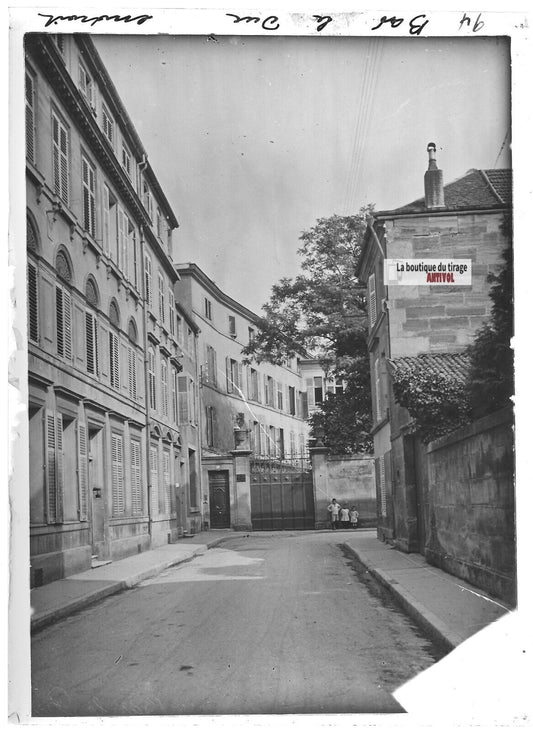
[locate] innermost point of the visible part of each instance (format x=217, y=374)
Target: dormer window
x=108, y=126
x=86, y=85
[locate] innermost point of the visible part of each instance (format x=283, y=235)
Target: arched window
x=91, y=292
x=63, y=307
x=32, y=237
x=132, y=330
x=63, y=267
x=114, y=314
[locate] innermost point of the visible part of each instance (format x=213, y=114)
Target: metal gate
x=281, y=494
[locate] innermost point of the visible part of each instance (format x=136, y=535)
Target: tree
x=490, y=384
x=322, y=313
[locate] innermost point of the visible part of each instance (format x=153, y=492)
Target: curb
x=425, y=619
x=51, y=616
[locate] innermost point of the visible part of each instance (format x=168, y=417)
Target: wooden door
x=219, y=510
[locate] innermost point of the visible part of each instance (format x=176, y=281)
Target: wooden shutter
x=122, y=241
x=64, y=323
x=90, y=343
x=30, y=118
x=60, y=160
x=67, y=320
x=372, y=310
x=132, y=373
x=154, y=479
x=82, y=472
x=114, y=362
x=164, y=388
x=229, y=385
x=117, y=474
x=136, y=485
x=148, y=279
x=33, y=303
x=241, y=379
x=183, y=400
x=309, y=386
x=51, y=467
x=106, y=222
x=249, y=391
x=377, y=385
x=166, y=481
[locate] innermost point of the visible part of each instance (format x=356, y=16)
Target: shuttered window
x=166, y=481
x=210, y=425
x=164, y=387
x=63, y=323
x=151, y=378
x=82, y=473
x=89, y=196
x=30, y=117
x=117, y=473
x=108, y=126
x=114, y=361
x=33, y=302
x=86, y=85
x=122, y=231
x=211, y=363
x=161, y=298
x=148, y=280
x=91, y=344
x=136, y=484
x=154, y=479
x=54, y=467
x=377, y=390
x=174, y=395
x=372, y=309
x=60, y=159
x=171, y=312
x=126, y=160
x=183, y=400
x=132, y=373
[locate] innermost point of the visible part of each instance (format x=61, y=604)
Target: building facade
x=462, y=220
x=259, y=408
x=106, y=449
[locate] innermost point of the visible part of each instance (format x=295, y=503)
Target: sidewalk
x=60, y=598
x=446, y=607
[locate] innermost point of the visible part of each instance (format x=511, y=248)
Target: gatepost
x=242, y=513
x=319, y=468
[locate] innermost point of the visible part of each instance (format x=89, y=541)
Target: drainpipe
x=146, y=385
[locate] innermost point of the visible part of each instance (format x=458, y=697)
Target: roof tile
x=454, y=365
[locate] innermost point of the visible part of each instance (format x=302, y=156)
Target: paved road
x=272, y=623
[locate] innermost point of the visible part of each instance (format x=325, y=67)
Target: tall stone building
x=425, y=327
x=258, y=408
x=105, y=358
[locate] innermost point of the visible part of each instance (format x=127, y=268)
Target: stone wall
x=471, y=505
x=350, y=480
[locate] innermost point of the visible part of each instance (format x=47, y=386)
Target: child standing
x=345, y=517
x=354, y=516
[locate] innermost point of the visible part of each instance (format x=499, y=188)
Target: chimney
x=433, y=180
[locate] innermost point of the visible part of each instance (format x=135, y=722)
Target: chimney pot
x=433, y=180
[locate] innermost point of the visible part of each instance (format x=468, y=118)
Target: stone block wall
x=351, y=481
x=437, y=318
x=471, y=505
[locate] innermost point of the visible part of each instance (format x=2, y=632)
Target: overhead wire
x=368, y=88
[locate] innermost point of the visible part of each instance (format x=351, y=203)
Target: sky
x=255, y=138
